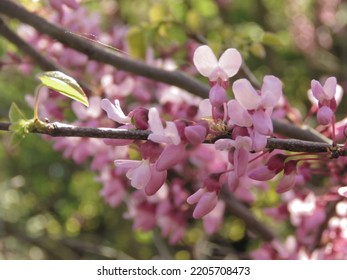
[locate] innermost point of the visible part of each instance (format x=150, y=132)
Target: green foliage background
x=50, y=208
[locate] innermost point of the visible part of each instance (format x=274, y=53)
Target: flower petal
x=317, y=90
x=245, y=94
x=154, y=121
x=330, y=88
x=205, y=60
x=262, y=123
x=230, y=62
x=156, y=181
x=271, y=91
x=114, y=112
x=205, y=205
x=324, y=115
x=140, y=176
x=172, y=133
x=170, y=156
x=238, y=115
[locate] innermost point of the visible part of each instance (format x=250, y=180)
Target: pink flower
x=266, y=172
x=240, y=115
x=168, y=135
x=326, y=96
x=206, y=198
x=170, y=156
x=324, y=115
x=218, y=95
x=156, y=181
x=254, y=108
x=239, y=148
x=205, y=202
x=250, y=99
x=115, y=112
x=289, y=176
x=195, y=134
x=217, y=71
x=138, y=172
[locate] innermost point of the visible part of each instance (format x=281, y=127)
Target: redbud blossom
x=195, y=134
x=139, y=172
x=156, y=181
x=250, y=99
x=324, y=115
x=168, y=135
x=171, y=155
x=140, y=118
x=266, y=172
x=240, y=148
x=326, y=96
x=240, y=116
x=289, y=175
x=218, y=95
x=205, y=202
x=227, y=66
x=206, y=198
x=114, y=112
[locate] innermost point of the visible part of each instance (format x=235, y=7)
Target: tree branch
x=98, y=53
x=56, y=129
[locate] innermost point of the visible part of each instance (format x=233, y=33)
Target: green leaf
x=64, y=84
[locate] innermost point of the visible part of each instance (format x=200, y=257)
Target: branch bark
x=57, y=129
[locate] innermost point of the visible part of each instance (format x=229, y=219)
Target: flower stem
x=36, y=104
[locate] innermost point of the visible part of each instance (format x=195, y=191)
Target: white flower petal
x=230, y=62
x=114, y=112
x=205, y=60
x=245, y=94
x=154, y=122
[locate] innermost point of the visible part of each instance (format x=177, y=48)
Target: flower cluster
x=197, y=148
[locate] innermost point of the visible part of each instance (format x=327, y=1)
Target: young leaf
x=64, y=84
x=15, y=114
x=20, y=126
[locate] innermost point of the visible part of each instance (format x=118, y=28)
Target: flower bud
x=218, y=95
x=195, y=134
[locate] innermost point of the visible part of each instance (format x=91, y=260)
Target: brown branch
x=98, y=53
x=57, y=129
